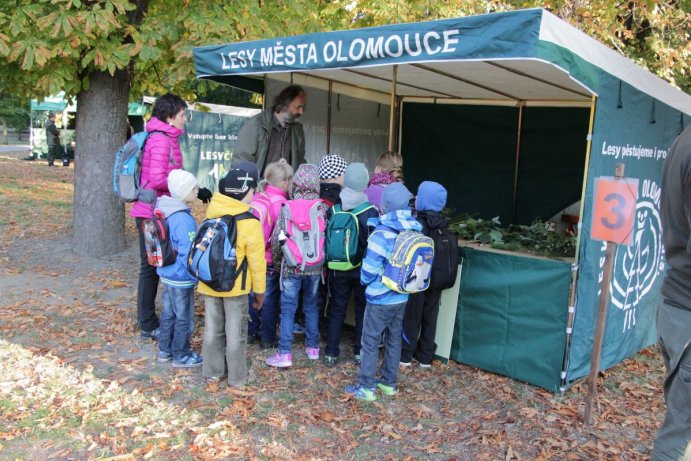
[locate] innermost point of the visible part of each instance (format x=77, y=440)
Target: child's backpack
x=445, y=266
x=304, y=239
x=408, y=268
x=128, y=167
x=159, y=248
x=342, y=237
x=212, y=258
x=260, y=207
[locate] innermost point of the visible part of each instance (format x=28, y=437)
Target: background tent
x=516, y=114
x=66, y=114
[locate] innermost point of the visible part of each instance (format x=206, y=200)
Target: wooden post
x=603, y=303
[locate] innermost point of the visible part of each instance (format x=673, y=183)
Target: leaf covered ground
x=76, y=381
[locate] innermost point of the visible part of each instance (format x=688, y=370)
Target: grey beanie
x=395, y=197
x=356, y=177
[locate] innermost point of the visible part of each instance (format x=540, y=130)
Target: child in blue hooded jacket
x=420, y=322
x=385, y=308
x=177, y=316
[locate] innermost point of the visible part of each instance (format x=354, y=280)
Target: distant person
x=225, y=320
x=674, y=307
x=53, y=140
x=276, y=133
x=385, y=308
x=177, y=316
x=388, y=170
x=161, y=155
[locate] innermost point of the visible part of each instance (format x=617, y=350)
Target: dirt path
x=76, y=382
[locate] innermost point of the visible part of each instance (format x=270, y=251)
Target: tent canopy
x=527, y=56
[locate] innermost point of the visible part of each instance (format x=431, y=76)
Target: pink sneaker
x=312, y=353
x=280, y=360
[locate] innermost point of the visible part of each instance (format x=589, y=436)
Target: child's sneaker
x=387, y=390
x=404, y=364
x=164, y=357
x=191, y=360
x=425, y=366
x=330, y=361
x=312, y=353
x=298, y=329
x=357, y=358
x=280, y=360
x=362, y=393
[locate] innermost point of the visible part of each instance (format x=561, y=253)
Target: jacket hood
x=221, y=205
x=330, y=191
x=155, y=124
x=434, y=219
x=169, y=205
x=305, y=184
x=273, y=190
x=351, y=199
x=430, y=196
x=398, y=220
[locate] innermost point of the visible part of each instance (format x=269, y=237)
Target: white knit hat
x=181, y=183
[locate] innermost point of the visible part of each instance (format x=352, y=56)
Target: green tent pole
x=574, y=266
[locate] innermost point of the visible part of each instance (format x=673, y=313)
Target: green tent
x=516, y=113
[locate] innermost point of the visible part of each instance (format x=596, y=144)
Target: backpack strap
x=361, y=208
x=171, y=159
x=243, y=266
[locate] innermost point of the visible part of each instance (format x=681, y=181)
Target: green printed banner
x=207, y=145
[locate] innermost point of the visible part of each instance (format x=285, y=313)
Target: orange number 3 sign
x=614, y=207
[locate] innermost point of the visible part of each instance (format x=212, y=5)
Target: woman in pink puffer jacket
x=168, y=120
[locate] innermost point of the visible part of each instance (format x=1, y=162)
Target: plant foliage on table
x=539, y=238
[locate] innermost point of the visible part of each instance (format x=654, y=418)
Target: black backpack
x=445, y=264
x=212, y=258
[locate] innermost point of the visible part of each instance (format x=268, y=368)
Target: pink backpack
x=303, y=244
x=260, y=206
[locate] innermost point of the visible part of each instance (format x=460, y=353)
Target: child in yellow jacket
x=225, y=321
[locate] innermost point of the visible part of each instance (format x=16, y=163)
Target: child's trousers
x=420, y=326
x=380, y=318
x=225, y=337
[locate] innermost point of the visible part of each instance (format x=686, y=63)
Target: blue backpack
x=408, y=269
x=213, y=257
x=128, y=167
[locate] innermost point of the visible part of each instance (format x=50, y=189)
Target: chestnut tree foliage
x=107, y=52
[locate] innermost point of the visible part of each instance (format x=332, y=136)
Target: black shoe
x=153, y=334
x=269, y=344
x=253, y=339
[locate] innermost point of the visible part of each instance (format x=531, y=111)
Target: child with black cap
x=225, y=322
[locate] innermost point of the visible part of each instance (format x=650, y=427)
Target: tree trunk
x=99, y=217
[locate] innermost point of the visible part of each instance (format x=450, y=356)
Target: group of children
x=321, y=235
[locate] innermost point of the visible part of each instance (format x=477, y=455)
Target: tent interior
x=507, y=138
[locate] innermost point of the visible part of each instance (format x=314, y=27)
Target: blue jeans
x=292, y=285
x=177, y=321
x=380, y=318
x=270, y=310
